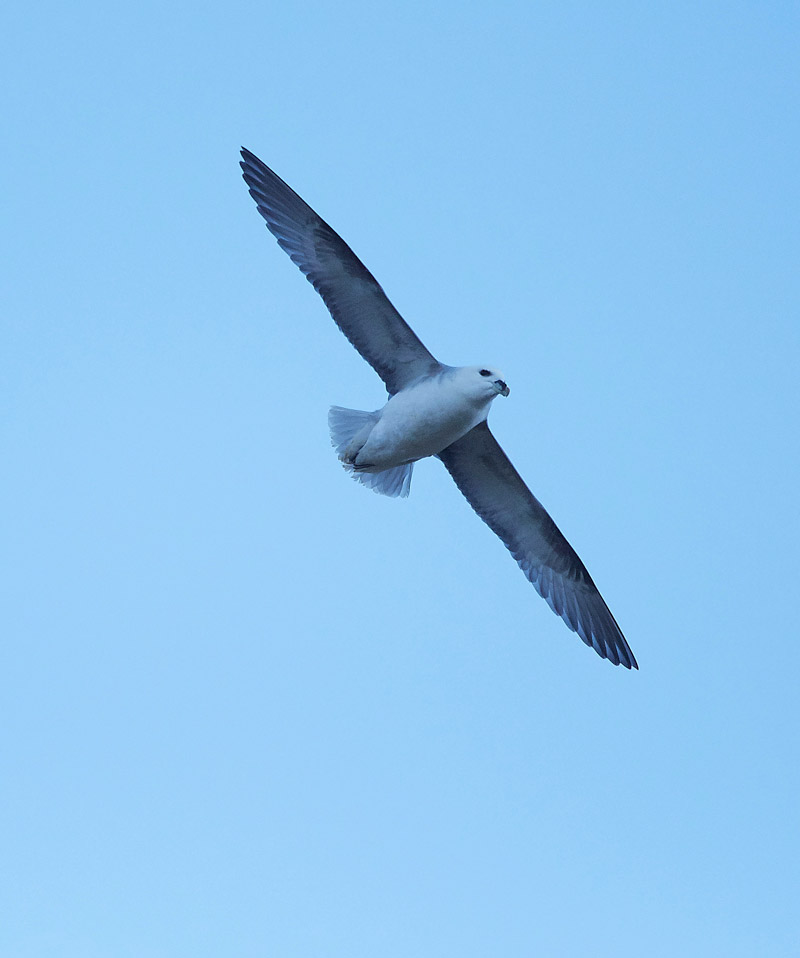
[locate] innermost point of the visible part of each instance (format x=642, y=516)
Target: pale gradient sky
x=250, y=708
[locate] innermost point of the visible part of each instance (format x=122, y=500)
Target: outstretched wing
x=495, y=490
x=357, y=303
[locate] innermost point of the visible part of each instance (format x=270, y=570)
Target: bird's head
x=478, y=385
x=489, y=382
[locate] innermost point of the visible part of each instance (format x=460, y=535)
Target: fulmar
x=433, y=410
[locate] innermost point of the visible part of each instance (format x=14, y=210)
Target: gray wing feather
x=356, y=301
x=495, y=490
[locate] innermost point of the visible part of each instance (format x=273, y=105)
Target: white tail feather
x=391, y=482
x=345, y=425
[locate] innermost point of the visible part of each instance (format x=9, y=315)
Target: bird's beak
x=501, y=387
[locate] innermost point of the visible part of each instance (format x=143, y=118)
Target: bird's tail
x=346, y=428
x=346, y=425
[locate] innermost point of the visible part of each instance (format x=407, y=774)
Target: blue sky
x=250, y=708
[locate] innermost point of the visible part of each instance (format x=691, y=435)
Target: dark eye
x=485, y=372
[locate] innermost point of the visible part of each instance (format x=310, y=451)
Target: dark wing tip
x=255, y=172
x=248, y=159
x=605, y=636
x=618, y=652
x=583, y=610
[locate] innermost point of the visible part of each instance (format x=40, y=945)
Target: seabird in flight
x=433, y=410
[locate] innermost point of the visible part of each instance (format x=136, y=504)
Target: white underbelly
x=415, y=426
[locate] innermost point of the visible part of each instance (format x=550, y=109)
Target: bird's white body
x=424, y=418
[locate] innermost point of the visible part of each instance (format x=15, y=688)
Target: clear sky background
x=250, y=708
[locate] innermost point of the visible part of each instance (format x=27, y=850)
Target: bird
x=433, y=410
